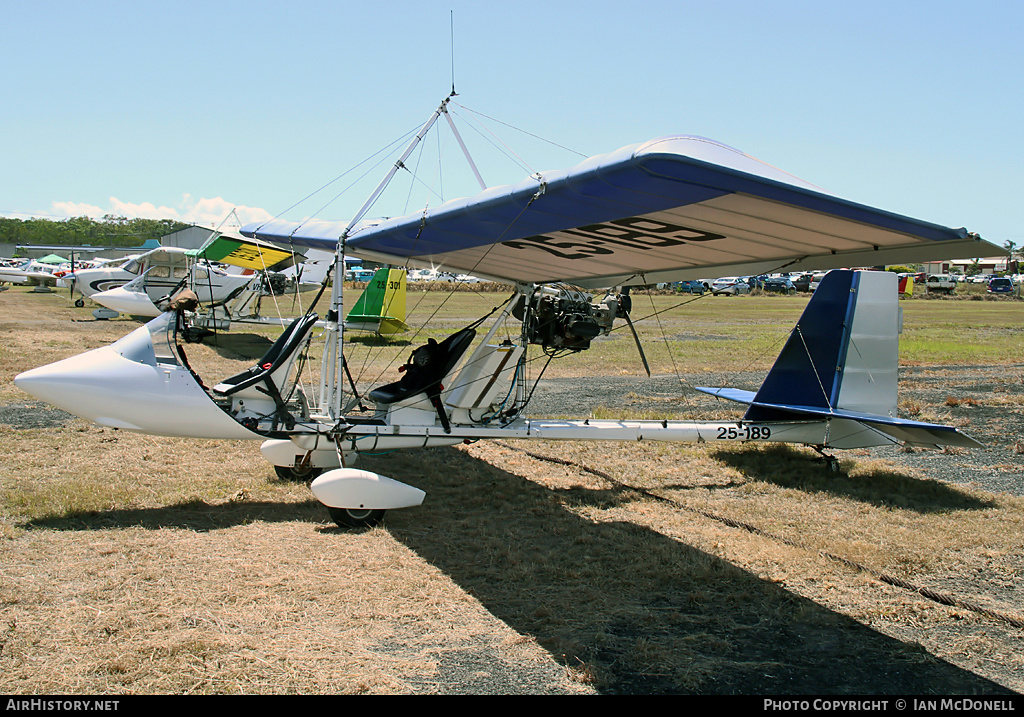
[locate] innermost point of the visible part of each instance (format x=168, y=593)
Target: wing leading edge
x=675, y=208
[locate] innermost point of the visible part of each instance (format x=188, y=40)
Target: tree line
x=81, y=231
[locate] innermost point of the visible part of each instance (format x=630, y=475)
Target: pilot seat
x=264, y=389
x=416, y=397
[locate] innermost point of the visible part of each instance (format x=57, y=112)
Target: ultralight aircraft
x=571, y=243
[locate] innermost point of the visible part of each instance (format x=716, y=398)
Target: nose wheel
x=356, y=517
x=297, y=474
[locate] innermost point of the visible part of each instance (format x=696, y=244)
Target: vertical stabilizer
x=842, y=362
x=381, y=306
x=843, y=352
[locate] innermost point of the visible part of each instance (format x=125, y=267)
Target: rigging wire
x=496, y=242
x=655, y=313
x=523, y=131
x=386, y=148
x=497, y=144
x=671, y=354
x=381, y=160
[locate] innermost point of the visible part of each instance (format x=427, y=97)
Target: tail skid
x=841, y=362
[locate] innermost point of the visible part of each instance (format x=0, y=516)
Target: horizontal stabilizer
x=384, y=325
x=902, y=430
x=731, y=394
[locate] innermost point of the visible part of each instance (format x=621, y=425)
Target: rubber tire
x=356, y=517
x=79, y=303
x=192, y=335
x=294, y=474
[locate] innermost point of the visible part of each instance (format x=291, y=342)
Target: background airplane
x=136, y=286
x=381, y=306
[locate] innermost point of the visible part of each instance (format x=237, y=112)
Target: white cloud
x=76, y=209
x=146, y=210
x=209, y=212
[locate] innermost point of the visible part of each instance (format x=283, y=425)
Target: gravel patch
x=33, y=414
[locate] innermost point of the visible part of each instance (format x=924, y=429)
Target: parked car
x=816, y=279
x=1000, y=286
x=802, y=282
x=695, y=286
x=781, y=284
x=730, y=285
x=940, y=283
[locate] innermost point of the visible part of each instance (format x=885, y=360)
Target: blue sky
x=189, y=109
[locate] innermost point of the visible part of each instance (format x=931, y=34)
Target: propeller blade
x=639, y=347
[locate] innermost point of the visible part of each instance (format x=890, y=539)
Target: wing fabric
x=675, y=208
x=247, y=253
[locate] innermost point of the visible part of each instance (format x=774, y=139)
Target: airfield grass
x=138, y=564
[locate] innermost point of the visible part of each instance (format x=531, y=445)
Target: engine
x=562, y=318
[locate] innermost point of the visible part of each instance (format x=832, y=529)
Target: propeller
x=70, y=279
x=625, y=306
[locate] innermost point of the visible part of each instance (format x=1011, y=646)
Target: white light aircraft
x=224, y=296
x=571, y=243
x=134, y=285
x=31, y=272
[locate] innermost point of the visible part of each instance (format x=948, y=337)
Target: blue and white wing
x=675, y=208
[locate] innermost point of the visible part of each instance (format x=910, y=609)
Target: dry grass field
x=134, y=564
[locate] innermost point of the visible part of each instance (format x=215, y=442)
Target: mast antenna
x=452, y=34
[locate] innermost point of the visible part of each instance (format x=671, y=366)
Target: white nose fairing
x=136, y=384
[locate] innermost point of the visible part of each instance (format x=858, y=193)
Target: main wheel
x=298, y=474
x=79, y=303
x=356, y=517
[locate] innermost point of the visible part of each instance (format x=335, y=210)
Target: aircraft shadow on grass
x=649, y=613
x=638, y=611
x=195, y=515
x=238, y=345
x=787, y=467
x=371, y=339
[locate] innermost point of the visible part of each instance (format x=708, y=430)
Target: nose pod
x=126, y=386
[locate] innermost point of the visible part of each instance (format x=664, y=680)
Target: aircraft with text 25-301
x=571, y=243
